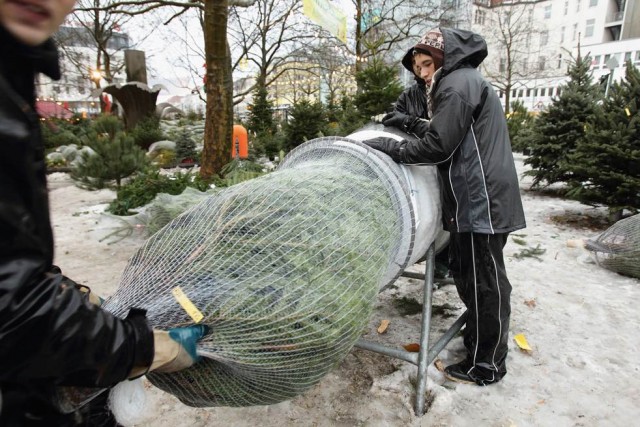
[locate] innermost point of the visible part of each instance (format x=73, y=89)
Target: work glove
x=399, y=120
x=176, y=349
x=389, y=146
x=93, y=298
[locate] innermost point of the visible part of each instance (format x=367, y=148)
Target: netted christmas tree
x=557, y=131
x=607, y=161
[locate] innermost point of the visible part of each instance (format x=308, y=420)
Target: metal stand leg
x=426, y=355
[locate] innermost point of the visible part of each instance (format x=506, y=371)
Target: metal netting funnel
x=618, y=247
x=284, y=268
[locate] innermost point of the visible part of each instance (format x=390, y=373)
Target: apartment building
x=548, y=34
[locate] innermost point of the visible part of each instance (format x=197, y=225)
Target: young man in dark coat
x=467, y=139
x=50, y=333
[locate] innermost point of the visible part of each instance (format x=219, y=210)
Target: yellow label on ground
x=186, y=303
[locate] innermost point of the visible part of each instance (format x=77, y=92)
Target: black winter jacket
x=413, y=100
x=49, y=333
x=468, y=139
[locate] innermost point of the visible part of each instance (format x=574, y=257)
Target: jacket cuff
x=144, y=344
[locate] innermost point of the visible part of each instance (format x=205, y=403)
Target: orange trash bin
x=239, y=143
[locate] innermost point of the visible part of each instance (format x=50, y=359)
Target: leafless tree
x=219, y=82
x=386, y=26
x=519, y=46
x=267, y=37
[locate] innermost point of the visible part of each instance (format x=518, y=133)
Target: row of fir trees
x=588, y=141
x=379, y=87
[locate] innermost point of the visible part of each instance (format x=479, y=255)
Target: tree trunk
x=219, y=87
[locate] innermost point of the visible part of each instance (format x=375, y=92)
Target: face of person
x=426, y=65
x=34, y=21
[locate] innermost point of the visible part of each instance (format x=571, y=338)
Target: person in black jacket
x=467, y=139
x=50, y=333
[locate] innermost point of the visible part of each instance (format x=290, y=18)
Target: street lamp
x=96, y=76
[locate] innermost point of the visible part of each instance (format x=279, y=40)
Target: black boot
x=459, y=372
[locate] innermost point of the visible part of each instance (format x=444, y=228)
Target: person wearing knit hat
x=467, y=139
x=432, y=44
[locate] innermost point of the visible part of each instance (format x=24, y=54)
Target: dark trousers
x=477, y=266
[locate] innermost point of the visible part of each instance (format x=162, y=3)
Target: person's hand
x=399, y=120
x=389, y=146
x=93, y=298
x=176, y=349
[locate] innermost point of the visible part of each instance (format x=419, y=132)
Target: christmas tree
x=557, y=130
x=607, y=161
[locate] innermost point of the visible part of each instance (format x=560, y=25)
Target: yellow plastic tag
x=522, y=342
x=186, y=303
x=626, y=109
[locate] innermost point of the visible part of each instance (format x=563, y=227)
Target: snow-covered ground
x=580, y=320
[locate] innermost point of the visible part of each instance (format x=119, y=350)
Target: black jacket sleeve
x=49, y=333
x=439, y=139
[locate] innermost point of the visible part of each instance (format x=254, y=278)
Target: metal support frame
x=425, y=355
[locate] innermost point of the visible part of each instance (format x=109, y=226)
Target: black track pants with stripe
x=477, y=265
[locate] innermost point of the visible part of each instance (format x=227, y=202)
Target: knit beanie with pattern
x=432, y=43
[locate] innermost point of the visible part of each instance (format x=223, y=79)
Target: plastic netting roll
x=618, y=248
x=284, y=268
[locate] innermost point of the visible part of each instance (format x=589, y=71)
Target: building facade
x=80, y=74
x=548, y=34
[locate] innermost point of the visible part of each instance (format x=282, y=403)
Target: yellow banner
x=329, y=17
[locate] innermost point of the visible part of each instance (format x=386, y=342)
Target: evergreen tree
x=518, y=120
x=306, y=121
x=608, y=159
x=115, y=155
x=261, y=112
x=185, y=146
x=557, y=130
x=379, y=86
x=349, y=119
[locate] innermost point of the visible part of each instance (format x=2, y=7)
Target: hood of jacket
x=462, y=47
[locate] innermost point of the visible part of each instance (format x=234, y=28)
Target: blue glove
x=176, y=349
x=188, y=337
x=389, y=146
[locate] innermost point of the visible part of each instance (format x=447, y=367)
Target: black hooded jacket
x=468, y=139
x=49, y=333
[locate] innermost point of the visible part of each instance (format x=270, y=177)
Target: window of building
x=547, y=11
x=627, y=57
x=588, y=32
x=578, y=5
x=575, y=32
x=637, y=56
x=480, y=17
x=593, y=3
x=528, y=93
x=544, y=38
x=503, y=65
x=550, y=91
x=558, y=91
x=566, y=7
x=595, y=62
x=520, y=93
x=513, y=93
x=543, y=92
x=559, y=60
x=541, y=63
x=561, y=34
x=535, y=91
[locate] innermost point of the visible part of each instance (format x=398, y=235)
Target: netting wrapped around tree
x=618, y=248
x=284, y=268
